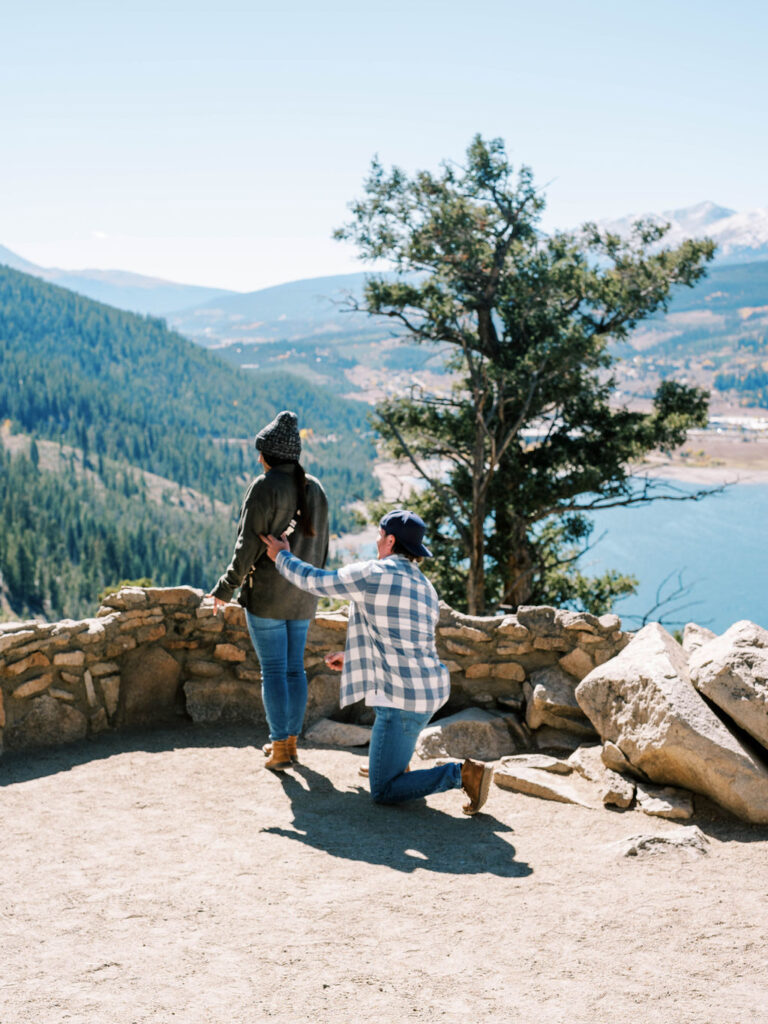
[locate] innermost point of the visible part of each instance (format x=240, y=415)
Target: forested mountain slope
x=66, y=537
x=126, y=391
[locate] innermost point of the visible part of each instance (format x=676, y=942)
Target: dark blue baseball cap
x=408, y=528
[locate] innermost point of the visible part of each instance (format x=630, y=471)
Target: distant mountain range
x=308, y=314
x=740, y=237
x=715, y=332
x=132, y=292
x=312, y=307
x=213, y=316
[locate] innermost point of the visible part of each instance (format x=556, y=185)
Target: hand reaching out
x=275, y=546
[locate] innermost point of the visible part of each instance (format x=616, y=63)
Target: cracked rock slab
x=523, y=775
x=615, y=791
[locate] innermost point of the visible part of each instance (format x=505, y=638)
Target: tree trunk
x=476, y=577
x=519, y=566
x=476, y=580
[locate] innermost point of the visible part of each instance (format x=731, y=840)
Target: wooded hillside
x=125, y=391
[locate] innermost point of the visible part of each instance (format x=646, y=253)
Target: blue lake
x=718, y=544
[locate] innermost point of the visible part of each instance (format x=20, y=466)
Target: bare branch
x=668, y=601
x=447, y=492
x=648, y=494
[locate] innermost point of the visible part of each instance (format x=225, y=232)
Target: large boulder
x=732, y=671
x=150, y=686
x=548, y=738
x=338, y=734
x=46, y=722
x=322, y=697
x=471, y=733
x=644, y=702
x=550, y=700
x=695, y=636
x=224, y=700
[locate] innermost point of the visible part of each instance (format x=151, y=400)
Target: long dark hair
x=304, y=515
x=304, y=518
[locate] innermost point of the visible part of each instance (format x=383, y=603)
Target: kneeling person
x=390, y=658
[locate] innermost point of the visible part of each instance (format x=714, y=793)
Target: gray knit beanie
x=280, y=438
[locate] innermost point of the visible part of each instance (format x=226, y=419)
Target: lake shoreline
x=710, y=476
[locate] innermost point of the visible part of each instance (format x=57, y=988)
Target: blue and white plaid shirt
x=391, y=634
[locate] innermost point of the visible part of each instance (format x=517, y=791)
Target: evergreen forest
x=66, y=539
x=751, y=385
x=127, y=395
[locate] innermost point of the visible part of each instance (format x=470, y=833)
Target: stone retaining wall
x=152, y=656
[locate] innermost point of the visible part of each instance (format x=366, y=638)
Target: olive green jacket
x=268, y=507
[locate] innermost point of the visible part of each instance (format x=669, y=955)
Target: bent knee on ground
x=379, y=796
x=380, y=791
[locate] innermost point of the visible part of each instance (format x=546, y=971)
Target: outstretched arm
x=347, y=582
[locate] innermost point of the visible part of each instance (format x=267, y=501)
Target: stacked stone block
x=153, y=655
x=495, y=660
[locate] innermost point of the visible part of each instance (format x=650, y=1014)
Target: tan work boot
x=475, y=781
x=280, y=758
x=293, y=749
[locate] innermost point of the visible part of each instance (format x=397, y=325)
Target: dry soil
x=168, y=876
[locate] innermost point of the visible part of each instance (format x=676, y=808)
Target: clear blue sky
x=219, y=143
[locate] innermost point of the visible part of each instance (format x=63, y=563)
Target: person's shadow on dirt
x=404, y=837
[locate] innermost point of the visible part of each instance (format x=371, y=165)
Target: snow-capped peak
x=740, y=237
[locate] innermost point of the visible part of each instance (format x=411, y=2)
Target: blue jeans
x=392, y=742
x=279, y=646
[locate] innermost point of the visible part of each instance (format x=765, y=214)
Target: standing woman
x=278, y=614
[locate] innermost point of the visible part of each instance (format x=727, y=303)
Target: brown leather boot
x=292, y=742
x=475, y=781
x=280, y=757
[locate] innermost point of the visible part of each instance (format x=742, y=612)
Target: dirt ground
x=713, y=459
x=167, y=876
